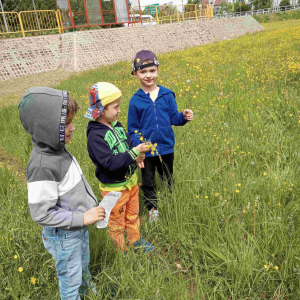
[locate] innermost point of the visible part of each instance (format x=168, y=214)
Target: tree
x=188, y=7
x=243, y=7
x=261, y=4
x=284, y=3
x=225, y=7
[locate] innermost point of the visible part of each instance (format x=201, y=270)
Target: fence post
x=21, y=24
x=58, y=21
x=196, y=12
x=157, y=19
x=4, y=16
x=177, y=14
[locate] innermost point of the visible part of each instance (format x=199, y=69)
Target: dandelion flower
x=33, y=280
x=237, y=191
x=141, y=138
x=15, y=256
x=20, y=269
x=276, y=268
x=272, y=254
x=206, y=197
x=265, y=266
x=216, y=194
x=265, y=174
x=134, y=132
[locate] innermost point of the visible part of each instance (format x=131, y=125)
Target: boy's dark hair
x=73, y=107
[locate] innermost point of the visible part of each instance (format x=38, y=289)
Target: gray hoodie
x=58, y=193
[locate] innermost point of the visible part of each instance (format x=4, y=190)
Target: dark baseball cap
x=141, y=57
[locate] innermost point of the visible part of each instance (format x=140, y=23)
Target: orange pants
x=125, y=216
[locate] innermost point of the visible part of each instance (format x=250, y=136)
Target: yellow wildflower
x=20, y=269
x=33, y=280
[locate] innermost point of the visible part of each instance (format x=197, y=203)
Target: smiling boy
x=152, y=112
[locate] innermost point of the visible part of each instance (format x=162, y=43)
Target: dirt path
x=12, y=90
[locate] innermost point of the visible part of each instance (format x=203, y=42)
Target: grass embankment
x=280, y=16
x=231, y=229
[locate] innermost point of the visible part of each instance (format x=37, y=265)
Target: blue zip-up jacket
x=154, y=120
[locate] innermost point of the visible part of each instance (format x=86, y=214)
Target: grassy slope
x=230, y=229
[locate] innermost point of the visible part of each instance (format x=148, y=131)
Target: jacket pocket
x=167, y=137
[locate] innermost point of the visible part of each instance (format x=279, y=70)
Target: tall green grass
x=230, y=229
x=280, y=16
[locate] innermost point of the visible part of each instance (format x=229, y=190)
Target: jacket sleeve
x=133, y=124
x=100, y=151
x=177, y=118
x=43, y=198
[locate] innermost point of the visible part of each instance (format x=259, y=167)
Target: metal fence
x=264, y=11
x=162, y=14
x=42, y=21
x=13, y=24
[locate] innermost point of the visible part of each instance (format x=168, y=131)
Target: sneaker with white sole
x=153, y=215
x=145, y=246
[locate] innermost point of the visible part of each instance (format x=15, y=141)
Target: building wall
x=91, y=49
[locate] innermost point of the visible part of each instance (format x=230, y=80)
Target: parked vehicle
x=146, y=20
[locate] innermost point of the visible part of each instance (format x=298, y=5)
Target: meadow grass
x=230, y=229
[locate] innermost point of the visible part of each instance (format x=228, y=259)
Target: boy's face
x=69, y=128
x=147, y=76
x=111, y=111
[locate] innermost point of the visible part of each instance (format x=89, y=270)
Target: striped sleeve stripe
x=132, y=154
x=71, y=179
x=39, y=191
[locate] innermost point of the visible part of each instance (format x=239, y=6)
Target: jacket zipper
x=80, y=175
x=120, y=143
x=155, y=118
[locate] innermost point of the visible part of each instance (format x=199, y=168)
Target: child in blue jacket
x=152, y=112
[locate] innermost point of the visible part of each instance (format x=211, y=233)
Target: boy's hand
x=143, y=148
x=141, y=165
x=188, y=114
x=140, y=158
x=94, y=215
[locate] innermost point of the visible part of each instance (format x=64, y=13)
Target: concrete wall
x=86, y=50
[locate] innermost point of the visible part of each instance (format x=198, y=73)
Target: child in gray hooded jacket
x=60, y=199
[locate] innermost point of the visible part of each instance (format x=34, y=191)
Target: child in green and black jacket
x=116, y=159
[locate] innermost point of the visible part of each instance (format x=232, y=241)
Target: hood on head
x=43, y=113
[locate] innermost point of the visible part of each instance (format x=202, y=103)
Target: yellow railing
x=51, y=20
x=172, y=13
x=30, y=21
x=10, y=22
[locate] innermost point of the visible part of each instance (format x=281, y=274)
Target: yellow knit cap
x=107, y=92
